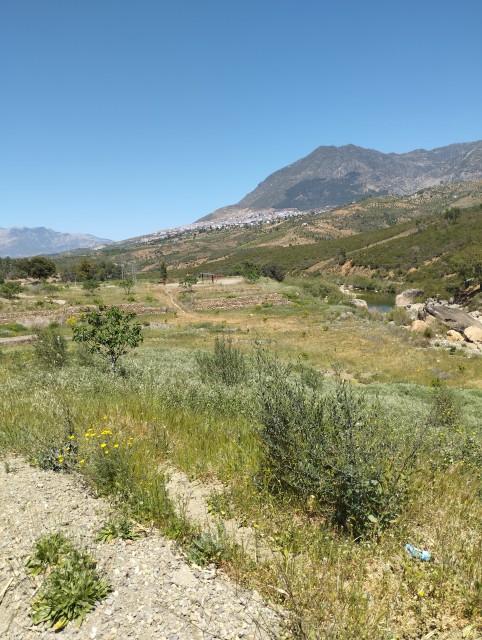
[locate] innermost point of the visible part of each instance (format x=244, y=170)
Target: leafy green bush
x=226, y=364
x=10, y=289
x=273, y=271
x=322, y=288
x=399, y=315
x=335, y=449
x=51, y=347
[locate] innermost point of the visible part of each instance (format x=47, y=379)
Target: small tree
x=127, y=284
x=108, y=332
x=250, y=271
x=273, y=271
x=188, y=281
x=42, y=268
x=468, y=263
x=163, y=272
x=85, y=270
x=90, y=286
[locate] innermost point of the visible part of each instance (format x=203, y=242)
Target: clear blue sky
x=121, y=117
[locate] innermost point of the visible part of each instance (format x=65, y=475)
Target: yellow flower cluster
x=106, y=442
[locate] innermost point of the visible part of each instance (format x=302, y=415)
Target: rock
x=362, y=304
x=430, y=319
x=419, y=326
x=454, y=336
x=407, y=297
x=473, y=334
x=456, y=318
x=184, y=577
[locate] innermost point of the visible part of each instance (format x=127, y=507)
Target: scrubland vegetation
x=338, y=437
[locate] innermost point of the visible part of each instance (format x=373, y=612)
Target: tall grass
x=336, y=586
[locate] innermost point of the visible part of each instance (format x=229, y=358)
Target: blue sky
x=121, y=117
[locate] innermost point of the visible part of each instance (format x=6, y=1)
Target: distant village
x=248, y=219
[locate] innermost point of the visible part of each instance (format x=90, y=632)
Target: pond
x=379, y=301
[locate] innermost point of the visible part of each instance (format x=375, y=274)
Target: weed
x=122, y=528
x=219, y=504
x=50, y=550
x=207, y=548
x=51, y=347
x=69, y=592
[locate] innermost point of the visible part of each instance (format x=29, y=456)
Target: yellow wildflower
x=104, y=444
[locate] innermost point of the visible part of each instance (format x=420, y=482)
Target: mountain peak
x=332, y=176
x=22, y=242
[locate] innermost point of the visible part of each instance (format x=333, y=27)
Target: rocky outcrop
x=419, y=325
x=473, y=334
x=454, y=336
x=454, y=317
x=361, y=304
x=406, y=298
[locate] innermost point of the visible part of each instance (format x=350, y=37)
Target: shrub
x=90, y=286
x=48, y=287
x=273, y=271
x=399, y=315
x=226, y=364
x=250, y=271
x=51, y=347
x=335, y=449
x=188, y=281
x=10, y=289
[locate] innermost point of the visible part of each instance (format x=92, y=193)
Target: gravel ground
x=156, y=594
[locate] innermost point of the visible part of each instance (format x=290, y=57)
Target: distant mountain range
x=334, y=176
x=22, y=242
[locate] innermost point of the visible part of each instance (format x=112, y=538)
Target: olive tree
x=108, y=332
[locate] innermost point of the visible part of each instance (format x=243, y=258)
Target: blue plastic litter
x=420, y=554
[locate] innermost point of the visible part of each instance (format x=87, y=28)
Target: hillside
x=22, y=242
x=410, y=230
x=332, y=176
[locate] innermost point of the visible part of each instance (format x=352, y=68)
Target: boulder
x=407, y=297
x=454, y=336
x=415, y=311
x=362, y=304
x=419, y=326
x=473, y=334
x=457, y=319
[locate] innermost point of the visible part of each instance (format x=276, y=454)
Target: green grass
x=163, y=409
x=161, y=412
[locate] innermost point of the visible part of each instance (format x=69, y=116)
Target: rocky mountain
x=333, y=176
x=21, y=242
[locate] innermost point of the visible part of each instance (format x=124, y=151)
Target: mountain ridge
x=24, y=242
x=331, y=176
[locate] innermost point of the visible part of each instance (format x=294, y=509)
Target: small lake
x=379, y=301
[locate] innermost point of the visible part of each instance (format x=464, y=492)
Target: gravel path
x=156, y=594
